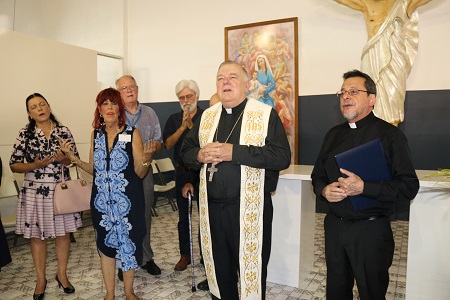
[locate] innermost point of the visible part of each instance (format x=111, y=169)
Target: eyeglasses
x=351, y=92
x=125, y=88
x=187, y=97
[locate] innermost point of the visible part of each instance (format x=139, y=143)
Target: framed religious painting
x=269, y=52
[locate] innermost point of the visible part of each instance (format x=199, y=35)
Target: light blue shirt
x=146, y=121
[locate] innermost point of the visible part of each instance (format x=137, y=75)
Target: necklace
x=49, y=137
x=232, y=129
x=213, y=168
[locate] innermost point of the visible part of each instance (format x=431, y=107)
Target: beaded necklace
x=49, y=138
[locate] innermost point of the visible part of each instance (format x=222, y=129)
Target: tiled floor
x=17, y=280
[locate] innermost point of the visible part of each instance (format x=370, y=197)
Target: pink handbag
x=73, y=195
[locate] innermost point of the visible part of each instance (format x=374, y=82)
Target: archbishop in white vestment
x=235, y=192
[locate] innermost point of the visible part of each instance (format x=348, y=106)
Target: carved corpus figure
x=388, y=56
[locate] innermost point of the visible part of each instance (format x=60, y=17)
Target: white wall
x=165, y=41
x=172, y=40
x=65, y=75
x=92, y=24
x=6, y=14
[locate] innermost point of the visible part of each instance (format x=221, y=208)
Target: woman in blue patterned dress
x=118, y=161
x=37, y=154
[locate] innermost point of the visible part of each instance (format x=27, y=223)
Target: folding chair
x=160, y=167
x=9, y=195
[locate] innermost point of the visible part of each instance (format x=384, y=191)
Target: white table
x=428, y=266
x=294, y=204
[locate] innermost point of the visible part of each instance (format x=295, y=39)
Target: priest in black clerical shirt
x=358, y=242
x=240, y=145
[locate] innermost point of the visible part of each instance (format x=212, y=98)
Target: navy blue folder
x=369, y=163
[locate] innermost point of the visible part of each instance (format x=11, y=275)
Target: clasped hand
x=215, y=153
x=187, y=120
x=351, y=186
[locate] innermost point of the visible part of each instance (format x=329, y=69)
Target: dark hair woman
x=37, y=153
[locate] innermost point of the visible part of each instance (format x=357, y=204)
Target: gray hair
x=230, y=62
x=124, y=76
x=190, y=84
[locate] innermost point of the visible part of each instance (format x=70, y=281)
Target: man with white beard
x=177, y=127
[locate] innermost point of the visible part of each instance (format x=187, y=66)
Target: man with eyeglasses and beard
x=359, y=243
x=177, y=127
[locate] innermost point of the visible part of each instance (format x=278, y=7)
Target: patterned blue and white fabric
x=117, y=202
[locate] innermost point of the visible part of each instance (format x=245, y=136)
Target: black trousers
x=5, y=256
x=358, y=250
x=224, y=220
x=183, y=209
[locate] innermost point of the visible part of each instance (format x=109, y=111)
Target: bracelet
x=146, y=164
x=74, y=163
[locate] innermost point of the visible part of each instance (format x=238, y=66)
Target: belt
x=361, y=220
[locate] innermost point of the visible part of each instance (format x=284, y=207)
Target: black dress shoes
x=40, y=296
x=68, y=290
x=152, y=268
x=203, y=285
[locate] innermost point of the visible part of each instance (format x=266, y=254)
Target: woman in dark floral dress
x=118, y=161
x=37, y=154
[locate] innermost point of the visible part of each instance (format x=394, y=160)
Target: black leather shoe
x=152, y=268
x=68, y=290
x=203, y=285
x=120, y=275
x=72, y=238
x=40, y=296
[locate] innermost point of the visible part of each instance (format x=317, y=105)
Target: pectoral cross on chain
x=211, y=171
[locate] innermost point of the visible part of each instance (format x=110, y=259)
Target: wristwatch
x=146, y=164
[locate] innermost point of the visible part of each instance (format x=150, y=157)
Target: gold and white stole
x=253, y=132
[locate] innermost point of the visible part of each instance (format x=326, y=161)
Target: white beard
x=190, y=107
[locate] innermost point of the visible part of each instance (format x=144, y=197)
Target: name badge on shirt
x=124, y=137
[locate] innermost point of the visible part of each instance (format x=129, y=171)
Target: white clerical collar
x=229, y=110
x=352, y=125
